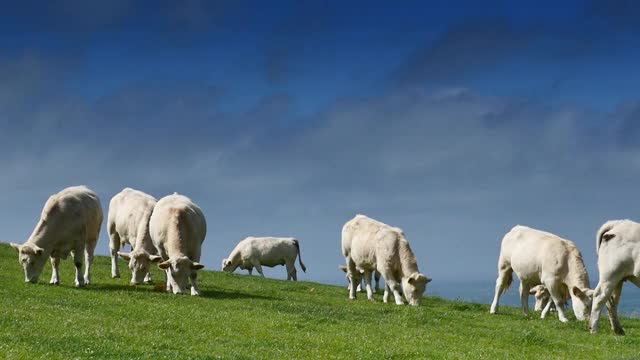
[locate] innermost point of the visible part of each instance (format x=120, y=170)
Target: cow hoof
x=195, y=293
x=148, y=282
x=117, y=276
x=564, y=320
x=54, y=282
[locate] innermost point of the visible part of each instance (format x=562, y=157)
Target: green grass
x=243, y=317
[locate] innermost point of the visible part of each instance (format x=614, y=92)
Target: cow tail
x=602, y=233
x=295, y=242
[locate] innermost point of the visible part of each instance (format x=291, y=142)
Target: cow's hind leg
x=291, y=270
x=612, y=309
x=55, y=274
x=88, y=260
x=524, y=297
x=78, y=254
x=601, y=295
x=354, y=277
x=505, y=274
x=376, y=275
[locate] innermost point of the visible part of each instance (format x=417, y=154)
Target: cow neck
x=577, y=275
x=407, y=258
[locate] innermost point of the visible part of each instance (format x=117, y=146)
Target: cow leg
x=367, y=284
x=353, y=278
x=148, y=279
x=601, y=295
x=169, y=287
x=395, y=287
x=195, y=291
x=55, y=274
x=77, y=261
x=256, y=264
x=114, y=246
x=524, y=297
x=385, y=297
x=502, y=283
x=612, y=309
x=546, y=309
x=88, y=260
x=250, y=271
x=556, y=296
x=376, y=274
x=291, y=271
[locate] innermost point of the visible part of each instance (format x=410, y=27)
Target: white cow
x=538, y=257
x=370, y=245
x=254, y=252
x=128, y=223
x=618, y=247
x=178, y=228
x=69, y=223
x=376, y=276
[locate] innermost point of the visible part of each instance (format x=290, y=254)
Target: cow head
x=581, y=300
x=32, y=259
x=413, y=287
x=227, y=265
x=139, y=264
x=179, y=269
x=542, y=296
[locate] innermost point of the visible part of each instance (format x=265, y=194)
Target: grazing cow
x=128, y=223
x=268, y=251
x=538, y=257
x=178, y=228
x=370, y=245
x=376, y=275
x=70, y=223
x=618, y=248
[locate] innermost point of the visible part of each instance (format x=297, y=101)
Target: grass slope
x=243, y=317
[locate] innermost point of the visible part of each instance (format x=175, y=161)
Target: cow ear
x=343, y=268
x=578, y=293
x=197, y=266
x=165, y=265
x=532, y=291
x=37, y=250
x=608, y=237
x=126, y=256
x=16, y=246
x=155, y=258
x=429, y=280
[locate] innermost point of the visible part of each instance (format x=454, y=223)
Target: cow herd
x=169, y=232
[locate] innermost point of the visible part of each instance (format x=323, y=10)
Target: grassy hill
x=243, y=317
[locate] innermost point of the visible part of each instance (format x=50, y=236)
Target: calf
x=268, y=251
x=370, y=245
x=70, y=223
x=178, y=228
x=538, y=257
x=128, y=223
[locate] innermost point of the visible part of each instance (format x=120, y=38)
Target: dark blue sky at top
x=454, y=120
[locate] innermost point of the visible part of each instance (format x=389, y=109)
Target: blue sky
x=453, y=120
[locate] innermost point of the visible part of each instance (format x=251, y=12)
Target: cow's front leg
x=256, y=264
x=367, y=283
x=148, y=279
x=556, y=296
x=55, y=274
x=167, y=274
x=395, y=287
x=195, y=291
x=385, y=297
x=524, y=297
x=546, y=309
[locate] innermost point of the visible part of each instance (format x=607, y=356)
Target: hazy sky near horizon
x=454, y=120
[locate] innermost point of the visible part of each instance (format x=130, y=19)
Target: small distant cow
x=70, y=223
x=178, y=228
x=618, y=247
x=255, y=252
x=376, y=275
x=370, y=245
x=538, y=257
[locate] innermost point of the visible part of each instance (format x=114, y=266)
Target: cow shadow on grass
x=218, y=294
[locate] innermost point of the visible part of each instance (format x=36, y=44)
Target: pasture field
x=244, y=317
